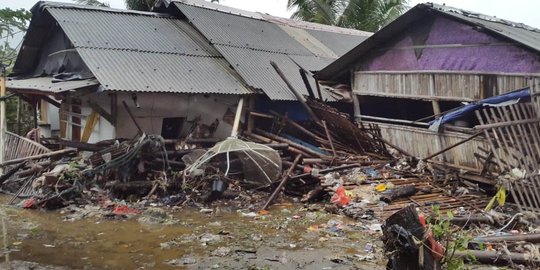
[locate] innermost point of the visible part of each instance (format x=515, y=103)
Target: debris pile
x=329, y=159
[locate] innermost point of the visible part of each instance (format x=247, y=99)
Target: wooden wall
x=421, y=142
x=435, y=86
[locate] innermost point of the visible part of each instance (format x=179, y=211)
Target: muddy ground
x=288, y=237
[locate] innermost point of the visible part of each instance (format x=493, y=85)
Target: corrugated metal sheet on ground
x=153, y=72
x=45, y=84
x=338, y=43
x=122, y=31
x=233, y=30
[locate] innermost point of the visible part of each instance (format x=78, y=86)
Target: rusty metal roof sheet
x=518, y=32
x=147, y=52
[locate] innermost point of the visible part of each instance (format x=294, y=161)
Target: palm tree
x=367, y=15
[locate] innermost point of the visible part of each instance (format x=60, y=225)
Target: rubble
x=348, y=168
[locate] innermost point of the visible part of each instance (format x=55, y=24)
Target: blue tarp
x=466, y=110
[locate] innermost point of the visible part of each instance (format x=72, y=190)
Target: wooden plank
x=102, y=112
x=89, y=126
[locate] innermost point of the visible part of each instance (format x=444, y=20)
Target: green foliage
x=367, y=15
x=93, y=3
x=11, y=23
x=145, y=5
x=453, y=238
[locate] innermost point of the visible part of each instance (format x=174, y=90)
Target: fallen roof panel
x=47, y=86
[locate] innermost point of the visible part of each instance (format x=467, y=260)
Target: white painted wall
x=153, y=108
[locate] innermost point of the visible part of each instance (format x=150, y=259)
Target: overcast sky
x=524, y=11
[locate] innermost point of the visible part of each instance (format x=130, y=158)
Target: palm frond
x=92, y=3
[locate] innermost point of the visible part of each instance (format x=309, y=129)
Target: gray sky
x=524, y=11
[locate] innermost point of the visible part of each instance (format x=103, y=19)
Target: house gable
x=450, y=45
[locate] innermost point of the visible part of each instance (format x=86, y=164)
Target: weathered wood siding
x=435, y=86
x=421, y=143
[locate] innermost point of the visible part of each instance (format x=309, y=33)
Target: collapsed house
x=180, y=70
x=414, y=76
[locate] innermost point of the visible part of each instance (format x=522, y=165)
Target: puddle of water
x=42, y=237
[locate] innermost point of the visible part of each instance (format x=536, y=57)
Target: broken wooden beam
x=289, y=142
x=454, y=145
x=299, y=97
x=46, y=155
x=334, y=169
x=284, y=181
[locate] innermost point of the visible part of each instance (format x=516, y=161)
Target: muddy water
x=287, y=238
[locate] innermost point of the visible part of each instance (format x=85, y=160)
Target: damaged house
x=422, y=77
x=180, y=71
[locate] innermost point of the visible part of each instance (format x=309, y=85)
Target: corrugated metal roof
x=314, y=26
x=518, y=32
x=107, y=30
x=119, y=70
x=338, y=43
x=147, y=52
x=46, y=84
x=239, y=31
x=249, y=44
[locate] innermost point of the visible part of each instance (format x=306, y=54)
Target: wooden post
x=284, y=180
x=114, y=110
x=436, y=108
x=132, y=117
x=250, y=119
x=356, y=107
x=19, y=110
x=237, y=117
x=306, y=82
x=2, y=114
x=299, y=97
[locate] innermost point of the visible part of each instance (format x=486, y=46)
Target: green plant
x=453, y=238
